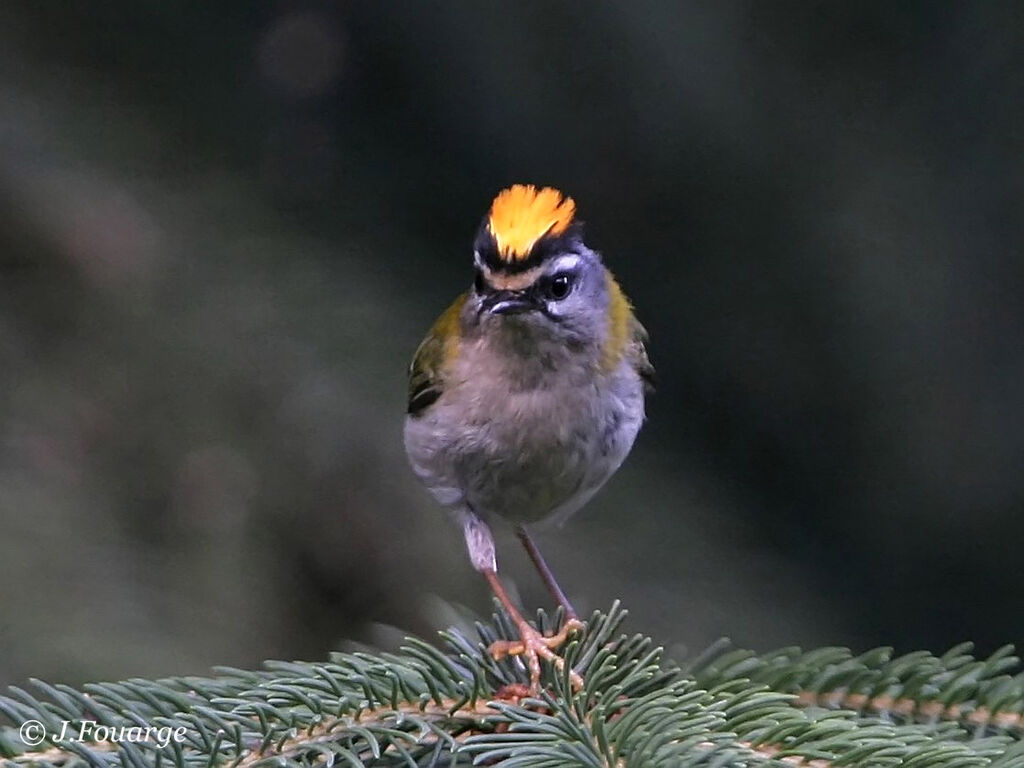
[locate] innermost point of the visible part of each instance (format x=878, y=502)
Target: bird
x=527, y=393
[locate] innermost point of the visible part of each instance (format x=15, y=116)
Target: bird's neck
x=525, y=357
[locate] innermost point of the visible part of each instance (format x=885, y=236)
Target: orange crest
x=521, y=215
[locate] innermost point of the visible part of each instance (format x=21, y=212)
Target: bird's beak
x=509, y=303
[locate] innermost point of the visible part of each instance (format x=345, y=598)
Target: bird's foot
x=533, y=646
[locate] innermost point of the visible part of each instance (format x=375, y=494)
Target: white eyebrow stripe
x=569, y=261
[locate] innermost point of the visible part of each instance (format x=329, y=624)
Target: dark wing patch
x=422, y=395
x=641, y=361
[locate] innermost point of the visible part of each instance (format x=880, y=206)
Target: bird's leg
x=545, y=573
x=532, y=645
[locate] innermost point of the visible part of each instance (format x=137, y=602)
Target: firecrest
x=527, y=393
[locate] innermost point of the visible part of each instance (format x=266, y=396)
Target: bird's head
x=534, y=275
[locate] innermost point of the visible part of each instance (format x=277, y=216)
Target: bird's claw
x=534, y=646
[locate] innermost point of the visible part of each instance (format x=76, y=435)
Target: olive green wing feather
x=427, y=370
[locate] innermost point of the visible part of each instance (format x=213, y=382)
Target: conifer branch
x=460, y=707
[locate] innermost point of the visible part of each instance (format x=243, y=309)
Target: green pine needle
x=460, y=707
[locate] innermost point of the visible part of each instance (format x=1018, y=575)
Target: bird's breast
x=524, y=444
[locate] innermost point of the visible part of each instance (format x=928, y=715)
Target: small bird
x=527, y=393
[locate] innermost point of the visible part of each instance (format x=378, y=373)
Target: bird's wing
x=426, y=372
x=638, y=353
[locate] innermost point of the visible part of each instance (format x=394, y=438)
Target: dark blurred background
x=224, y=228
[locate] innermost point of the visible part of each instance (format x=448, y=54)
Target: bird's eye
x=560, y=286
x=480, y=283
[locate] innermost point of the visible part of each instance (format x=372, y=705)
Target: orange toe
x=533, y=646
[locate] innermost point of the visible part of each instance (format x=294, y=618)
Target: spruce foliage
x=456, y=706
